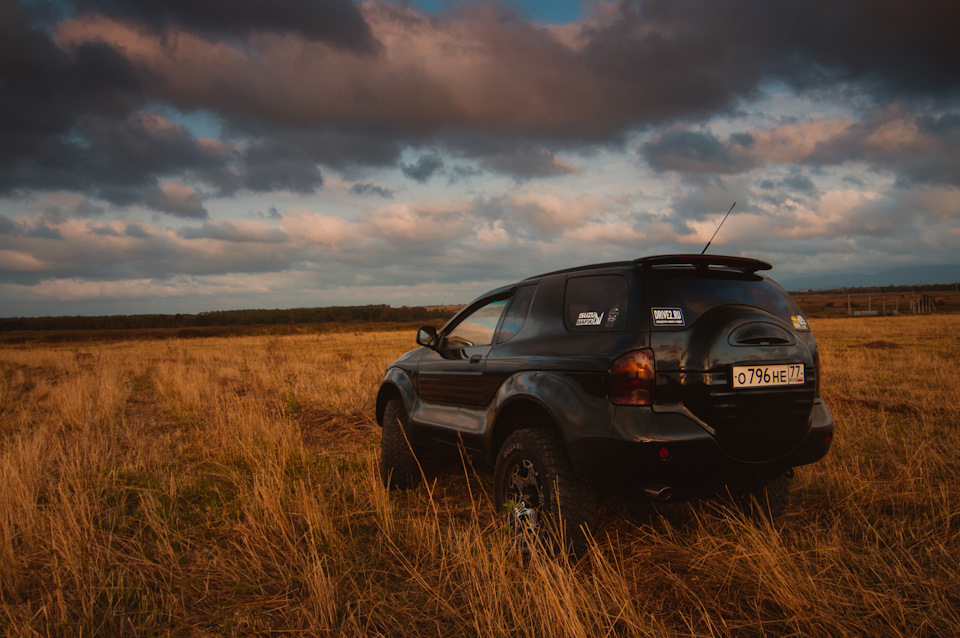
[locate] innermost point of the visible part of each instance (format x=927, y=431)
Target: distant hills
x=902, y=276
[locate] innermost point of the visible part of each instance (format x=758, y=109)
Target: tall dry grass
x=229, y=487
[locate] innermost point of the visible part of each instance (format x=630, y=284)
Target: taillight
x=633, y=378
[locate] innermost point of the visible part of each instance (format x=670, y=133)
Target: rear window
x=596, y=304
x=678, y=298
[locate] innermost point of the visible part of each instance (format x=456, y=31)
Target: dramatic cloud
x=337, y=22
x=344, y=146
x=917, y=148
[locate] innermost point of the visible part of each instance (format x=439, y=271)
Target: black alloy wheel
x=534, y=484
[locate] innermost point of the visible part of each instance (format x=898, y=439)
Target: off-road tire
x=770, y=499
x=563, y=506
x=398, y=461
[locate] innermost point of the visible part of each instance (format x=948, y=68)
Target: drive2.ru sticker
x=667, y=316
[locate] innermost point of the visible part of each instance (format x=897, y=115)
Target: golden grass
x=229, y=487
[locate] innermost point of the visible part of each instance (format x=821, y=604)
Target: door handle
x=476, y=358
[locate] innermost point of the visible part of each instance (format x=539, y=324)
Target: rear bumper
x=670, y=445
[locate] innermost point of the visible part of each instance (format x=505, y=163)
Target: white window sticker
x=590, y=319
x=799, y=322
x=667, y=317
x=612, y=317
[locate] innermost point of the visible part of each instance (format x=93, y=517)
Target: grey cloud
x=144, y=145
x=189, y=205
x=371, y=189
x=83, y=208
x=153, y=196
x=931, y=156
x=69, y=117
x=656, y=61
x=7, y=227
x=337, y=22
x=526, y=162
x=34, y=230
x=105, y=231
x=795, y=182
x=425, y=167
x=800, y=183
x=280, y=159
x=692, y=152
x=229, y=232
x=137, y=231
x=707, y=197
x=918, y=149
x=269, y=169
x=151, y=254
x=46, y=90
x=44, y=231
x=695, y=56
x=460, y=172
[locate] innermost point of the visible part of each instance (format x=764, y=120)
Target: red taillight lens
x=633, y=378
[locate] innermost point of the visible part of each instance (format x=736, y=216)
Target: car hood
x=413, y=356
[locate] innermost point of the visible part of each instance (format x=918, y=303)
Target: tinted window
x=478, y=327
x=695, y=293
x=517, y=313
x=596, y=304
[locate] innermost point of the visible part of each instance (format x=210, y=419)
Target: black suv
x=673, y=376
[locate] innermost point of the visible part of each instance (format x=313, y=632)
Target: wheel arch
x=396, y=385
x=521, y=412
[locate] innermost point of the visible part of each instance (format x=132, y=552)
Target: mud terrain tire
x=534, y=484
x=398, y=461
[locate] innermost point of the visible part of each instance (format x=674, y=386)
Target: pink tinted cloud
x=478, y=69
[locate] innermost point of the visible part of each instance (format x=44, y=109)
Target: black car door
x=452, y=374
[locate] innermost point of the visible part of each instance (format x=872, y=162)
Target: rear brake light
x=633, y=378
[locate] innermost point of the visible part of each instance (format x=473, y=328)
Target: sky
x=196, y=155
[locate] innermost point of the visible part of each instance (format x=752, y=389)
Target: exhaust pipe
x=662, y=493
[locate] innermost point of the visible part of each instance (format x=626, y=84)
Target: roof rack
x=742, y=264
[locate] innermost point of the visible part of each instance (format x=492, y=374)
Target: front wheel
x=535, y=485
x=398, y=462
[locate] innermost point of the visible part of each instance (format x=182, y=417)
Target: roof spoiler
x=741, y=264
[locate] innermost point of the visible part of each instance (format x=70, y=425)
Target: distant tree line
x=378, y=313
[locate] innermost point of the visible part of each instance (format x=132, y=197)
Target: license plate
x=762, y=376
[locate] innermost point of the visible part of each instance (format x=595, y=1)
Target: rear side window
x=596, y=304
x=517, y=313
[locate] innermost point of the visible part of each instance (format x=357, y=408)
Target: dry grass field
x=838, y=304
x=228, y=486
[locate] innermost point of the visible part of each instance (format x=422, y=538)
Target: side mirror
x=427, y=336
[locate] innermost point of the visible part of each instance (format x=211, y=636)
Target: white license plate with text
x=762, y=376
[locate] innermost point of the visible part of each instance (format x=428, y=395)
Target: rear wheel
x=535, y=486
x=398, y=461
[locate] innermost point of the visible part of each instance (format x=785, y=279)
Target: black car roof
x=721, y=262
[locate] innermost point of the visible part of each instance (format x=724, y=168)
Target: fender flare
x=564, y=401
x=396, y=384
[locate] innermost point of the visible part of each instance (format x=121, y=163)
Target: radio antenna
x=718, y=228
